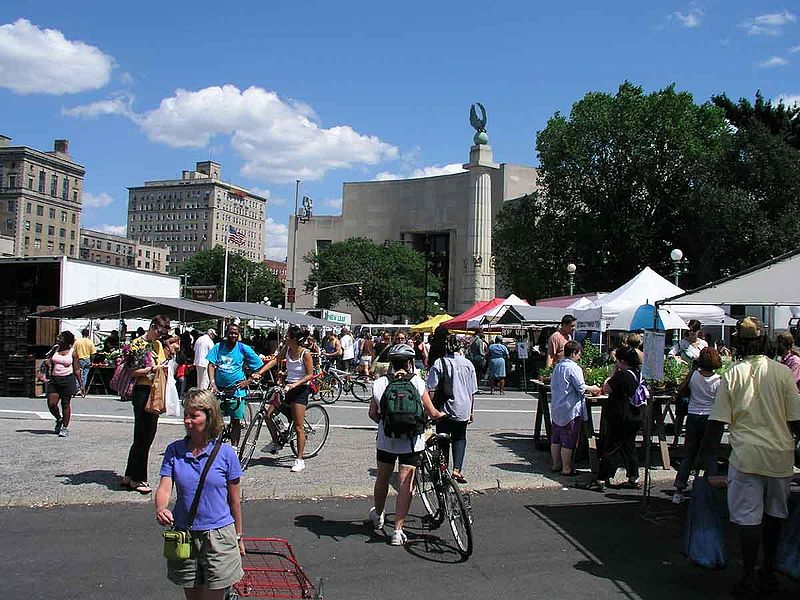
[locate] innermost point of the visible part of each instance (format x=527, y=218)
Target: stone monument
x=479, y=278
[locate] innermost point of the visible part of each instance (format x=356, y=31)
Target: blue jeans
x=458, y=437
x=695, y=432
x=85, y=364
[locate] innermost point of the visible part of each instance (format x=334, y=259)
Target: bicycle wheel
x=316, y=425
x=248, y=445
x=457, y=517
x=425, y=486
x=362, y=388
x=330, y=389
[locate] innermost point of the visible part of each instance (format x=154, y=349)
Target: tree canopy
x=392, y=278
x=207, y=268
x=779, y=119
x=625, y=178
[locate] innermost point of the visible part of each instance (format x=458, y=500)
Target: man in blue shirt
x=567, y=407
x=227, y=361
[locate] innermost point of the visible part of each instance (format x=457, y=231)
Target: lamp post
x=185, y=278
x=571, y=268
x=679, y=263
x=308, y=207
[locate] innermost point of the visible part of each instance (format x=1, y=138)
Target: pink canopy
x=476, y=310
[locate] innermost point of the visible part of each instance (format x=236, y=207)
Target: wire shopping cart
x=271, y=571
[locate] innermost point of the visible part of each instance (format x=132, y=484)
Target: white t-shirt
x=397, y=445
x=348, y=347
x=702, y=391
x=202, y=347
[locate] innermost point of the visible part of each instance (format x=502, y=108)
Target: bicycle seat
x=439, y=437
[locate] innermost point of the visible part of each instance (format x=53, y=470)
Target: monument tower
x=479, y=279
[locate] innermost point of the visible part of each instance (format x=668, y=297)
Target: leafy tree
x=618, y=175
x=207, y=268
x=391, y=273
x=779, y=119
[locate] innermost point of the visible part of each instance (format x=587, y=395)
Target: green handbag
x=178, y=544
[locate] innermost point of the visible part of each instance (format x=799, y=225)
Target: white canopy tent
x=495, y=312
x=648, y=287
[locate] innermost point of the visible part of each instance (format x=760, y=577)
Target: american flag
x=236, y=235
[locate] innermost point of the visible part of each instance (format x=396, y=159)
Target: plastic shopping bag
x=704, y=545
x=789, y=548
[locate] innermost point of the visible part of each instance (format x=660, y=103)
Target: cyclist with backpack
x=399, y=405
x=622, y=414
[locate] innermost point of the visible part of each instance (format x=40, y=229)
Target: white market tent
x=775, y=282
x=495, y=312
x=648, y=287
x=582, y=302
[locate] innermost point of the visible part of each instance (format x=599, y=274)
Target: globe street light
x=571, y=268
x=679, y=262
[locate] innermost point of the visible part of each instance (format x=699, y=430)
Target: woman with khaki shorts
x=216, y=531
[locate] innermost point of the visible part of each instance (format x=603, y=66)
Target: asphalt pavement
x=550, y=544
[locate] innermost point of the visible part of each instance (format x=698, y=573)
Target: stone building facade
x=447, y=217
x=118, y=251
x=41, y=196
x=278, y=269
x=194, y=213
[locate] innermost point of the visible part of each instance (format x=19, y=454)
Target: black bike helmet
x=401, y=352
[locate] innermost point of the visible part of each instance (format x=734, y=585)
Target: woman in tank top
x=299, y=371
x=64, y=382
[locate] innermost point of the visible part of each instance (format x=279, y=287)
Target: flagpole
x=225, y=276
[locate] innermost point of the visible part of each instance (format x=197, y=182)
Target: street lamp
x=308, y=208
x=680, y=264
x=571, y=268
x=185, y=277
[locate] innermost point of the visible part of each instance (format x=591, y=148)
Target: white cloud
x=773, y=61
x=279, y=140
x=789, y=99
x=119, y=103
x=126, y=78
x=43, y=61
x=794, y=49
x=691, y=18
x=769, y=24
x=432, y=171
x=121, y=230
x=96, y=200
x=276, y=239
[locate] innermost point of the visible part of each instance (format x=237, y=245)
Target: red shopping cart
x=271, y=571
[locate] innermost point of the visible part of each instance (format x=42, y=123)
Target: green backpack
x=401, y=408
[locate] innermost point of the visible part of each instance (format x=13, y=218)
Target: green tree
x=619, y=177
x=207, y=268
x=780, y=120
x=392, y=276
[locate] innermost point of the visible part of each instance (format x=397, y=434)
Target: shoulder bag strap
x=199, y=490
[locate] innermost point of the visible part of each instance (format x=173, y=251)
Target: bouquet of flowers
x=138, y=354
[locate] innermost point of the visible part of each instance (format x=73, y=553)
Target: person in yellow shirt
x=84, y=349
x=758, y=399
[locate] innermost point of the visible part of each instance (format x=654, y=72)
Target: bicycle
x=360, y=386
x=441, y=496
x=316, y=425
x=226, y=395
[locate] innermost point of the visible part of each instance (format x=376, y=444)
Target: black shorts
x=410, y=459
x=65, y=386
x=298, y=395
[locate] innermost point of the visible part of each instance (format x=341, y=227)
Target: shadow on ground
x=104, y=477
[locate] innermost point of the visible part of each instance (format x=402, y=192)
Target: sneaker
x=678, y=497
x=299, y=465
x=398, y=538
x=64, y=432
x=272, y=448
x=57, y=428
x=376, y=519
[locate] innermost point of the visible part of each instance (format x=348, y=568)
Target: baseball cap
x=749, y=328
x=211, y=332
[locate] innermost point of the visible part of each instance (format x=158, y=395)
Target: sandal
x=142, y=487
x=459, y=478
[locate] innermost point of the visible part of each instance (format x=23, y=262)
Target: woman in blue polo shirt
x=217, y=527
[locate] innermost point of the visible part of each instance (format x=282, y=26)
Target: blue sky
x=349, y=91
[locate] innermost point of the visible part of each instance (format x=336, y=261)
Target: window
x=73, y=218
x=37, y=244
x=72, y=234
x=62, y=233
x=10, y=224
x=30, y=183
x=63, y=216
x=61, y=248
x=27, y=225
x=139, y=263
x=108, y=246
x=12, y=181
x=11, y=206
x=38, y=228
x=28, y=208
x=51, y=230
x=65, y=189
x=86, y=241
x=27, y=241
x=116, y=261
x=108, y=260
x=52, y=213
x=39, y=210
x=147, y=265
x=53, y=185
x=74, y=195
x=50, y=247
x=71, y=249
x=41, y=182
x=147, y=253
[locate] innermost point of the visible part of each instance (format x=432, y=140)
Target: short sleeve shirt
x=567, y=390
x=390, y=444
x=84, y=348
x=213, y=511
x=556, y=343
x=465, y=384
x=758, y=397
x=230, y=364
x=348, y=347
